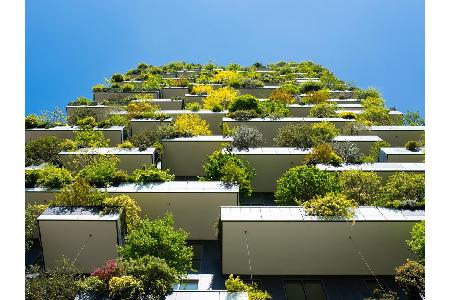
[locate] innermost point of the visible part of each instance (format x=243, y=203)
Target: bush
x=349, y=115
x=80, y=114
x=413, y=119
x=117, y=77
x=282, y=96
x=32, y=212
x=290, y=88
x=43, y=150
x=323, y=132
x=245, y=102
x=302, y=183
x=191, y=125
x=250, y=83
x=317, y=97
x=149, y=138
x=127, y=87
x=52, y=177
x=371, y=102
x=87, y=123
x=114, y=120
x=348, y=151
x=125, y=288
x=160, y=239
x=417, y=241
x=31, y=177
x=323, y=154
x=227, y=77
x=234, y=285
x=274, y=109
x=374, y=152
x=404, y=190
x=295, y=135
x=243, y=115
x=141, y=109
x=310, y=86
x=220, y=98
x=370, y=92
x=106, y=272
x=324, y=110
x=331, y=205
x=194, y=106
x=102, y=172
x=80, y=101
x=154, y=273
x=411, y=278
x=374, y=116
x=132, y=209
x=360, y=186
x=99, y=88
x=247, y=137
x=90, y=138
x=34, y=121
x=230, y=169
x=91, y=284
x=412, y=146
x=202, y=89
x=78, y=193
x=125, y=145
x=150, y=173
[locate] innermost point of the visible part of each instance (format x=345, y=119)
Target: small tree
x=246, y=137
x=413, y=119
x=43, y=150
x=323, y=132
x=191, y=125
x=295, y=135
x=324, y=110
x=417, y=241
x=348, y=151
x=362, y=187
x=404, y=190
x=331, y=205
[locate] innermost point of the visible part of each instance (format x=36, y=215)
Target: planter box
x=188, y=98
x=269, y=128
x=364, y=142
x=270, y=164
x=195, y=205
x=345, y=101
x=214, y=119
x=285, y=241
x=397, y=136
x=185, y=156
x=172, y=92
x=114, y=133
x=164, y=104
x=342, y=94
x=140, y=125
x=401, y=155
x=258, y=92
x=129, y=159
x=395, y=116
x=86, y=235
x=302, y=111
x=39, y=195
x=383, y=169
x=101, y=111
x=98, y=96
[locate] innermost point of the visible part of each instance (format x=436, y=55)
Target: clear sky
x=73, y=44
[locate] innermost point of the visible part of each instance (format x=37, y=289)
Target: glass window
x=185, y=285
x=294, y=290
x=314, y=290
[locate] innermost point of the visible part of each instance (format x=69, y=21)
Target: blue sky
x=73, y=44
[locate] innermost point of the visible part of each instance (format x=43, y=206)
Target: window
x=198, y=255
x=186, y=285
x=374, y=284
x=304, y=290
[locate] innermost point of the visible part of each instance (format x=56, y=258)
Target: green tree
x=417, y=241
x=43, y=150
x=404, y=190
x=411, y=118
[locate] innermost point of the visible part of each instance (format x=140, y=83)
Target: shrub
x=43, y=150
x=220, y=98
x=234, y=285
x=412, y=146
x=370, y=92
x=91, y=284
x=243, y=115
x=323, y=154
x=191, y=125
x=141, y=109
x=245, y=102
x=417, y=241
x=317, y=97
x=34, y=121
x=31, y=177
x=411, y=277
x=106, y=272
x=125, y=288
x=160, y=239
x=404, y=190
x=230, y=169
x=310, y=86
x=194, y=106
x=360, y=186
x=150, y=173
x=101, y=172
x=87, y=123
x=249, y=83
x=80, y=101
x=331, y=205
x=295, y=135
x=78, y=193
x=348, y=151
x=53, y=177
x=274, y=109
x=302, y=183
x=99, y=88
x=323, y=132
x=371, y=102
x=290, y=88
x=114, y=120
x=132, y=209
x=202, y=89
x=154, y=273
x=227, y=77
x=149, y=138
x=413, y=119
x=247, y=137
x=32, y=212
x=282, y=96
x=125, y=145
x=90, y=138
x=127, y=87
x=81, y=113
x=375, y=116
x=349, y=115
x=374, y=152
x=117, y=77
x=324, y=110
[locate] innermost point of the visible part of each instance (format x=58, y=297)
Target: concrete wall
x=259, y=92
x=164, y=104
x=172, y=92
x=98, y=96
x=314, y=248
x=140, y=125
x=193, y=99
x=404, y=156
x=397, y=137
x=38, y=196
x=101, y=111
x=214, y=119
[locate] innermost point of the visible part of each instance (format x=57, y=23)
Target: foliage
x=80, y=101
x=412, y=146
x=102, y=171
x=53, y=177
x=79, y=193
x=127, y=87
x=295, y=135
x=317, y=97
x=125, y=288
x=154, y=273
x=106, y=272
x=413, y=119
x=360, y=186
x=141, y=109
x=417, y=241
x=374, y=152
x=247, y=137
x=202, y=89
x=117, y=77
x=125, y=145
x=290, y=88
x=45, y=120
x=348, y=151
x=219, y=98
x=243, y=115
x=374, y=116
x=191, y=125
x=310, y=86
x=282, y=96
x=89, y=138
x=58, y=283
x=372, y=102
x=91, y=284
x=31, y=177
x=43, y=150
x=237, y=285
x=150, y=173
x=323, y=154
x=34, y=121
x=194, y=106
x=99, y=88
x=324, y=110
x=114, y=120
x=349, y=115
x=227, y=77
x=245, y=102
x=80, y=114
x=149, y=138
x=323, y=132
x=31, y=214
x=330, y=205
x=411, y=277
x=274, y=109
x=228, y=168
x=404, y=190
x=132, y=209
x=302, y=183
x=160, y=239
x=370, y=92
